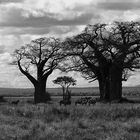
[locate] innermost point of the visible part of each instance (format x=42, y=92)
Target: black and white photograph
x=69, y=69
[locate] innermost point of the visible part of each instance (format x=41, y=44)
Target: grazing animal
x=82, y=101
x=65, y=102
x=15, y=102
x=91, y=101
x=79, y=101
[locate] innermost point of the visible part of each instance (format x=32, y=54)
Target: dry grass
x=127, y=91
x=52, y=122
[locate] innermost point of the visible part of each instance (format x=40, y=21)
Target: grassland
x=89, y=91
x=52, y=122
x=27, y=121
x=52, y=91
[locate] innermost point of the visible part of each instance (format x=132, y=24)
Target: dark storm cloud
x=16, y=23
x=11, y=1
x=50, y=20
x=119, y=5
x=20, y=21
x=40, y=30
x=15, y=18
x=45, y=30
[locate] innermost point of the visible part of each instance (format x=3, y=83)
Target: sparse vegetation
x=26, y=121
x=99, y=122
x=89, y=91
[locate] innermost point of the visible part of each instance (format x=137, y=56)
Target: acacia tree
x=105, y=53
x=65, y=82
x=37, y=60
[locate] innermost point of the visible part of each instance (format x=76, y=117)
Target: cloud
x=24, y=20
x=16, y=18
x=10, y=1
x=41, y=17
x=11, y=42
x=7, y=72
x=120, y=5
x=5, y=58
x=133, y=80
x=2, y=49
x=11, y=77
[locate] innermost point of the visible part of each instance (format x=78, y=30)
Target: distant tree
x=37, y=60
x=65, y=82
x=105, y=52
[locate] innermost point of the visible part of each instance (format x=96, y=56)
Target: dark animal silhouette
x=15, y=102
x=83, y=101
x=65, y=102
x=91, y=101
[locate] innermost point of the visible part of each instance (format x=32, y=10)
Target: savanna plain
x=101, y=121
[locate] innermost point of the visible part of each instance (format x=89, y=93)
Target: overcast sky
x=24, y=20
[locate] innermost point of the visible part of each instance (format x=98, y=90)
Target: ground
x=102, y=121
x=52, y=122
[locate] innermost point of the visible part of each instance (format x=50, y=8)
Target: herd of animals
x=81, y=101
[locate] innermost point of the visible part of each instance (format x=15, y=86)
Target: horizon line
x=59, y=87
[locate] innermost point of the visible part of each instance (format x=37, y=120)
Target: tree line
x=103, y=52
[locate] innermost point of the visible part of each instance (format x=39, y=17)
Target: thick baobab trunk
x=40, y=95
x=104, y=84
x=115, y=83
x=104, y=89
x=110, y=84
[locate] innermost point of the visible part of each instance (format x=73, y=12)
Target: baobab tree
x=123, y=43
x=105, y=53
x=85, y=50
x=65, y=82
x=37, y=60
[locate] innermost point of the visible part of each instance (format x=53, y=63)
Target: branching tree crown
x=65, y=81
x=106, y=52
x=39, y=58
